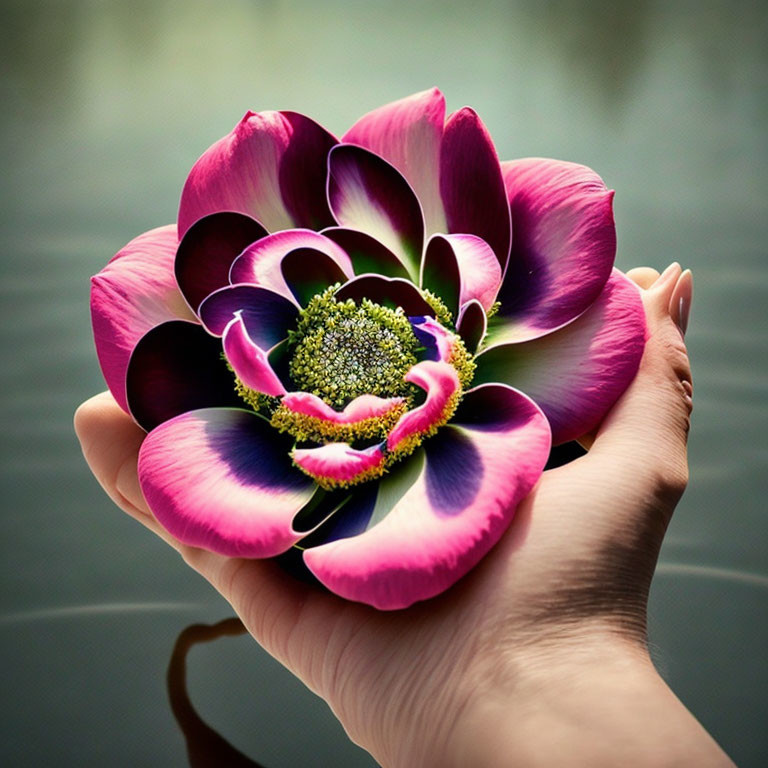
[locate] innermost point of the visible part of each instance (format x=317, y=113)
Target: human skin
x=538, y=657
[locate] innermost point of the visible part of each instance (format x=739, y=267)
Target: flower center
x=342, y=350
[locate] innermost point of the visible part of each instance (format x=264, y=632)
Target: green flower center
x=342, y=350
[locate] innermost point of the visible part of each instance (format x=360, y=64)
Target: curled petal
x=271, y=167
x=478, y=266
x=440, y=272
x=441, y=383
x=471, y=184
x=338, y=464
x=578, y=372
x=307, y=272
x=260, y=263
x=249, y=361
x=367, y=193
x=438, y=341
x=135, y=292
x=392, y=293
x=407, y=133
x=368, y=255
x=360, y=409
x=563, y=248
x=207, y=250
x=267, y=315
x=221, y=478
x=472, y=324
x=434, y=517
x=176, y=367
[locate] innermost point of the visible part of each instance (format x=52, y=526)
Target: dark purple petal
x=222, y=479
x=563, y=248
x=578, y=372
x=407, y=133
x=389, y=292
x=431, y=519
x=471, y=184
x=308, y=272
x=177, y=367
x=267, y=315
x=440, y=272
x=207, y=250
x=472, y=324
x=271, y=167
x=368, y=255
x=367, y=193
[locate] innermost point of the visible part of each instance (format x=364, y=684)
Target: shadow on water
x=205, y=747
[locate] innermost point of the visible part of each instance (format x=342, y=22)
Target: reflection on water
x=107, y=104
x=205, y=747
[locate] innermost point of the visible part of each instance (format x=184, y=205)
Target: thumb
x=646, y=432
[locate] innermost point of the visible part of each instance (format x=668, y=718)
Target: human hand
x=481, y=672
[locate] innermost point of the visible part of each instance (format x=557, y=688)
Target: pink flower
x=365, y=348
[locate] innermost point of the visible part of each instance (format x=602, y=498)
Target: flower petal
x=260, y=263
x=366, y=252
x=271, y=167
x=440, y=272
x=438, y=341
x=367, y=193
x=407, y=133
x=307, y=272
x=249, y=361
x=434, y=517
x=339, y=463
x=471, y=184
x=207, y=250
x=472, y=324
x=577, y=373
x=176, y=367
x=267, y=315
x=361, y=408
x=133, y=293
x=478, y=266
x=392, y=293
x=563, y=248
x=222, y=479
x=441, y=383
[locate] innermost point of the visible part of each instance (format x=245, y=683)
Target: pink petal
x=436, y=516
x=249, y=361
x=221, y=479
x=471, y=184
x=133, y=293
x=308, y=272
x=338, y=462
x=441, y=383
x=367, y=193
x=440, y=272
x=176, y=367
x=407, y=133
x=271, y=167
x=439, y=341
x=563, y=248
x=361, y=408
x=260, y=263
x=207, y=250
x=578, y=372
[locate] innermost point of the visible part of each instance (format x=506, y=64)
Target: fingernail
x=680, y=303
x=665, y=275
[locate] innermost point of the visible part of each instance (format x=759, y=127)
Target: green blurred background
x=105, y=107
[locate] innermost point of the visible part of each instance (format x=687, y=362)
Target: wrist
x=589, y=701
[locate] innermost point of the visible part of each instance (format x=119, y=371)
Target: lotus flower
x=365, y=348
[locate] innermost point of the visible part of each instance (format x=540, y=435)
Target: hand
x=537, y=656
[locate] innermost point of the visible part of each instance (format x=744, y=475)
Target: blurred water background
x=105, y=107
